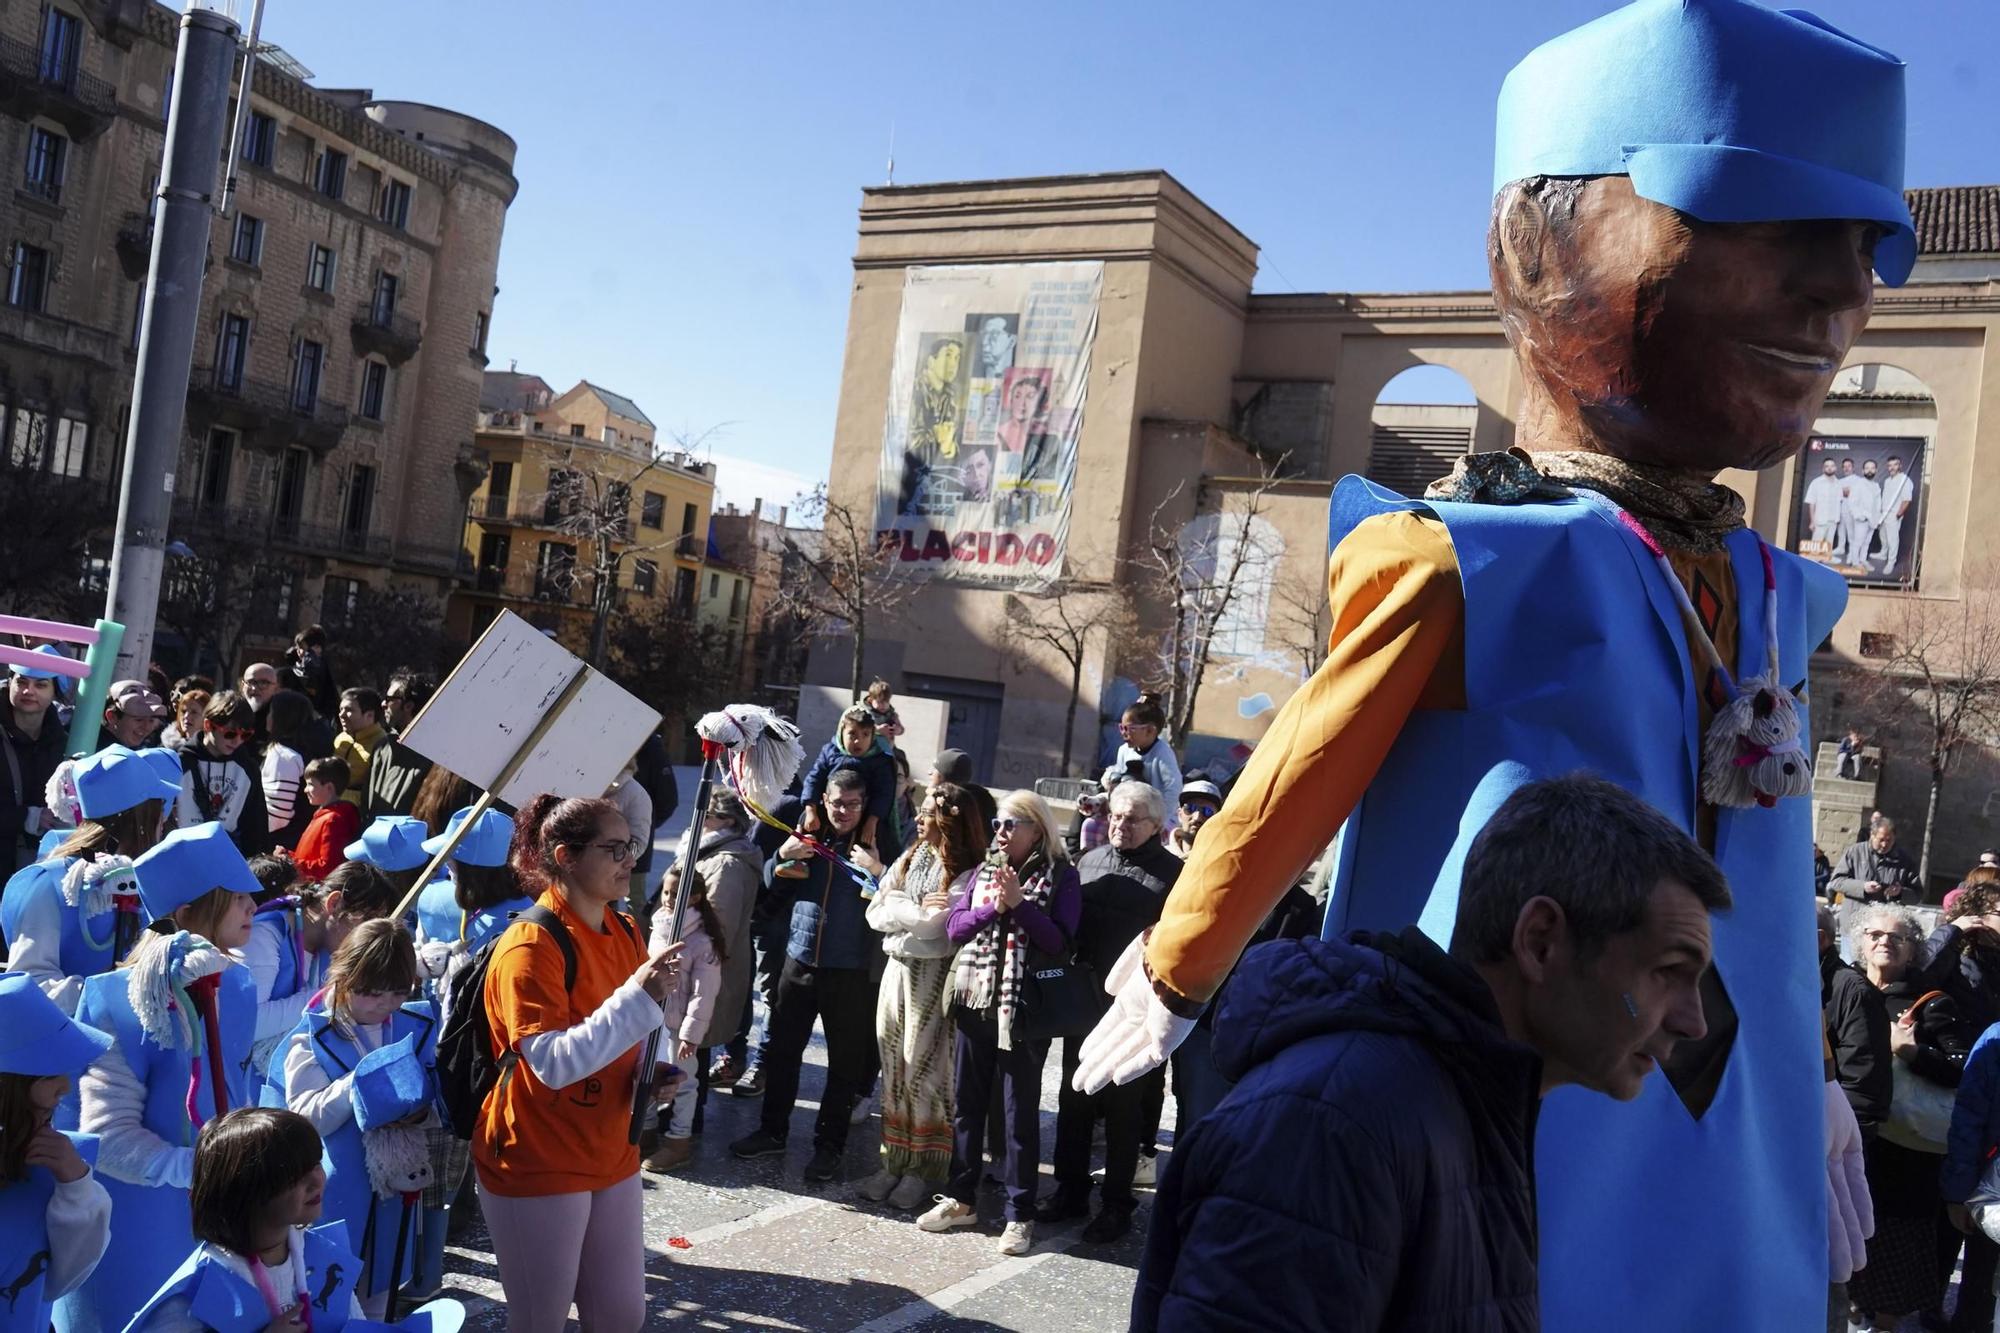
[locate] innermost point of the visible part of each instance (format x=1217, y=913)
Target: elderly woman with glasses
x=1021, y=908
x=1907, y=1256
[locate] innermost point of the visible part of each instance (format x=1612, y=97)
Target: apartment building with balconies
x=341, y=336
x=564, y=474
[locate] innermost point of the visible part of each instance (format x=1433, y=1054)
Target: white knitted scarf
x=160, y=969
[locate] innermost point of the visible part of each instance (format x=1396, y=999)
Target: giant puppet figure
x=1691, y=196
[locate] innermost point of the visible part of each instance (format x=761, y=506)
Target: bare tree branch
x=1943, y=666
x=1062, y=617
x=1195, y=571
x=834, y=587
x=589, y=499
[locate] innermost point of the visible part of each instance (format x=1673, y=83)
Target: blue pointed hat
x=1723, y=109
x=36, y=1037
x=485, y=844
x=188, y=863
x=116, y=779
x=392, y=842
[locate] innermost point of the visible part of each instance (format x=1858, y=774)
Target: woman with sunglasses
x=1022, y=907
x=221, y=778
x=558, y=1170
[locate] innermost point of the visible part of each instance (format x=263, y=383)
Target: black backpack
x=466, y=1069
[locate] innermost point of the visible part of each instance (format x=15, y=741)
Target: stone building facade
x=341, y=336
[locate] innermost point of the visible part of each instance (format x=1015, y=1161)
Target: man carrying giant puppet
x=1691, y=198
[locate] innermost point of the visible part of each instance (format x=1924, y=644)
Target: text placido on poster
x=1860, y=506
x=986, y=401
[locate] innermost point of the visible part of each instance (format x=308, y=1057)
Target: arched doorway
x=1421, y=425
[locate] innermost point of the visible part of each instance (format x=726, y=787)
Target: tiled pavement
x=765, y=1250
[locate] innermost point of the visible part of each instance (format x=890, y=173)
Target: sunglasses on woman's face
x=232, y=733
x=1004, y=825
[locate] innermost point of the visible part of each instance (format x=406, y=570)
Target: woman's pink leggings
x=562, y=1247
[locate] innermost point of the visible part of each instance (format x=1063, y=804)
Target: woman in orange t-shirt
x=558, y=1176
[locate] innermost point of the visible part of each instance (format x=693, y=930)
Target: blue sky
x=690, y=175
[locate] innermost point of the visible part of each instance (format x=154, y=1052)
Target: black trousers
x=1975, y=1284
x=1126, y=1110
x=981, y=1067
x=843, y=1000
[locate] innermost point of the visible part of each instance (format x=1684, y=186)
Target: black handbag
x=1059, y=998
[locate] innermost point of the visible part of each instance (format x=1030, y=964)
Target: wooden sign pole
x=485, y=801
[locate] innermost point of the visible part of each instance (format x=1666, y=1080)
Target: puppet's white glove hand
x=1136, y=1035
x=1850, y=1210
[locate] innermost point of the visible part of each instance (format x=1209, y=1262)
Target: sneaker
x=824, y=1166
x=877, y=1187
x=750, y=1084
x=672, y=1155
x=863, y=1107
x=1110, y=1223
x=911, y=1193
x=761, y=1143
x=724, y=1073
x=1017, y=1238
x=946, y=1213
x=1147, y=1172
x=1061, y=1206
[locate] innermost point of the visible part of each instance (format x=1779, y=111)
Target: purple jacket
x=1052, y=931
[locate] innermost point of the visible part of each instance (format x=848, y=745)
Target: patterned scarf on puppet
x=1684, y=511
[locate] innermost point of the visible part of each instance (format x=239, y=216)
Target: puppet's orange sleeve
x=1397, y=644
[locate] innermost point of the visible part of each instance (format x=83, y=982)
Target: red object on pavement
x=680, y=1242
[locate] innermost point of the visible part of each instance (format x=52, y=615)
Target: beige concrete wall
x=1176, y=276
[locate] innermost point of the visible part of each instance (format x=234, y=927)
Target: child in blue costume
x=260, y=1263
x=456, y=917
x=180, y=1012
x=394, y=845
x=294, y=939
x=55, y=1218
x=1690, y=196
x=61, y=916
x=364, y=1007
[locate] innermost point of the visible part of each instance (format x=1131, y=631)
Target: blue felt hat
x=37, y=673
x=392, y=842
x=485, y=845
x=1723, y=109
x=116, y=779
x=36, y=1037
x=188, y=863
x=389, y=1083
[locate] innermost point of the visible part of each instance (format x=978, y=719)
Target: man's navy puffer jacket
x=1373, y=1167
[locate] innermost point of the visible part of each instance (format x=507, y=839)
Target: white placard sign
x=497, y=694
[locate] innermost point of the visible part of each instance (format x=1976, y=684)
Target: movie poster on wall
x=986, y=400
x=1860, y=506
